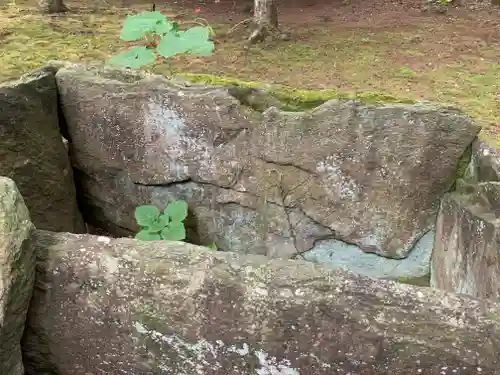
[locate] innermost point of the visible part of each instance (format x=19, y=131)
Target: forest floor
x=356, y=46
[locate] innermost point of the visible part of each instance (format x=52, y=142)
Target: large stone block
x=33, y=154
x=272, y=183
x=484, y=164
x=466, y=257
x=17, y=275
x=126, y=307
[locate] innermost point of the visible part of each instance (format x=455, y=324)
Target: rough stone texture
x=32, y=152
x=274, y=184
x=484, y=164
x=415, y=269
x=377, y=179
x=466, y=257
x=17, y=275
x=271, y=184
x=125, y=307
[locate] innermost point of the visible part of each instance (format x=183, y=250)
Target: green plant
x=213, y=246
x=168, y=225
x=408, y=72
x=161, y=36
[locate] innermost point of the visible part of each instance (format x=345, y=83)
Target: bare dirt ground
x=352, y=45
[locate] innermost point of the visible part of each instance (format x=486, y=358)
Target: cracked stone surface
x=272, y=183
x=484, y=164
x=466, y=258
x=118, y=306
x=414, y=269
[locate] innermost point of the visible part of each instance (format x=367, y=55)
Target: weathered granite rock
x=414, y=269
x=377, y=180
x=484, y=164
x=32, y=152
x=165, y=308
x=271, y=184
x=466, y=257
x=17, y=275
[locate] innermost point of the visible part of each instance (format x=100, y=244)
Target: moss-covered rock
x=424, y=281
x=288, y=98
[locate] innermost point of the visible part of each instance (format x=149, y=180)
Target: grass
x=441, y=62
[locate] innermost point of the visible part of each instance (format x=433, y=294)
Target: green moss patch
x=291, y=98
x=424, y=281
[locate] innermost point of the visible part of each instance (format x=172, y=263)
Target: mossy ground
x=453, y=60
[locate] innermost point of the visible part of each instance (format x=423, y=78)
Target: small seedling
x=213, y=246
x=161, y=37
x=408, y=72
x=168, y=225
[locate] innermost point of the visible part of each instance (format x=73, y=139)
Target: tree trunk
x=52, y=6
x=265, y=20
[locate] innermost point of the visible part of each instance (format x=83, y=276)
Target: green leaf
x=204, y=49
x=146, y=235
x=146, y=215
x=212, y=246
x=171, y=45
x=177, y=211
x=175, y=27
x=195, y=41
x=134, y=58
x=159, y=223
x=174, y=232
x=137, y=26
x=197, y=34
x=164, y=28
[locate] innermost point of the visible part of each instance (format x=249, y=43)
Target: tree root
x=242, y=23
x=266, y=32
